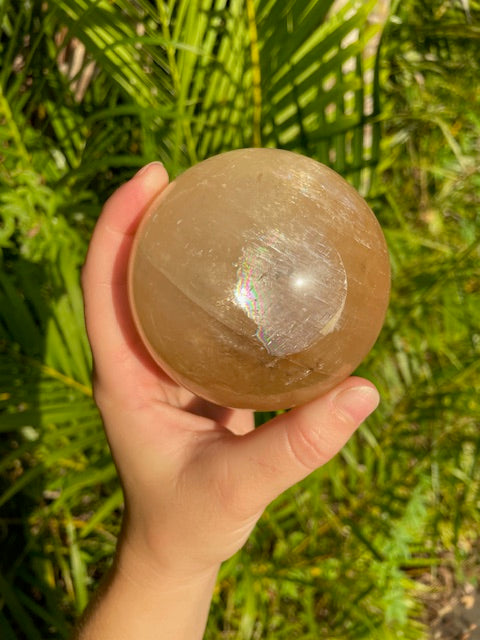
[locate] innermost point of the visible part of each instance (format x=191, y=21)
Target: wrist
x=157, y=550
x=146, y=600
x=133, y=562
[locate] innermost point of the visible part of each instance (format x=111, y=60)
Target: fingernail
x=147, y=167
x=357, y=402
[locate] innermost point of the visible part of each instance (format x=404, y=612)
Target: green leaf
x=18, y=612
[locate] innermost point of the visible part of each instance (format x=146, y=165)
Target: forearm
x=138, y=601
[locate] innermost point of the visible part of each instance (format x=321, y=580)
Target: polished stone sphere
x=259, y=278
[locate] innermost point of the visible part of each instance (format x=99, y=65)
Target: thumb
x=285, y=450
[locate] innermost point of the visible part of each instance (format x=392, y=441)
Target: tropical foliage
x=90, y=90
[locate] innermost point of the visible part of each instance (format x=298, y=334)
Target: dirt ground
x=459, y=618
x=453, y=610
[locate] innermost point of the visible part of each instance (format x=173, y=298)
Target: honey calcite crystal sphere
x=259, y=278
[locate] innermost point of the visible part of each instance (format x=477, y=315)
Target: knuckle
x=309, y=446
x=231, y=501
x=232, y=495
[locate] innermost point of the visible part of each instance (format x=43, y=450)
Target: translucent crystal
x=259, y=278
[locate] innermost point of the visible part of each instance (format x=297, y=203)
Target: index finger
x=110, y=328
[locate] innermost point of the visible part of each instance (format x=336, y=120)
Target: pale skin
x=196, y=476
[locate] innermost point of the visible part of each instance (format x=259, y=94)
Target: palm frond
x=90, y=90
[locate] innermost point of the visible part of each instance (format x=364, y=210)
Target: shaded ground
x=453, y=610
x=459, y=617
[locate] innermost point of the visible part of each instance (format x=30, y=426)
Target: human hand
x=196, y=476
